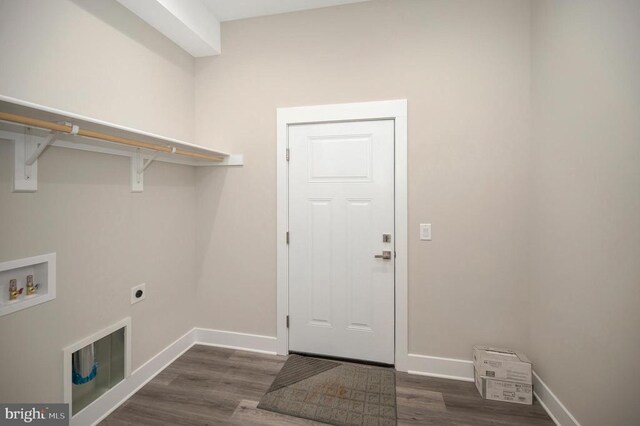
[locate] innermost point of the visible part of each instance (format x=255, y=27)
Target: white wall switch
x=138, y=293
x=425, y=231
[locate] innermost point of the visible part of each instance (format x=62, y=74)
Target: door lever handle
x=386, y=255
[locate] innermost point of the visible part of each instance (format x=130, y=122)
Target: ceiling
x=194, y=25
x=229, y=10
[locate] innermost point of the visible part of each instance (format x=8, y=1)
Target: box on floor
x=504, y=390
x=503, y=364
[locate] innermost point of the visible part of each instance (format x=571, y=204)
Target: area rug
x=333, y=392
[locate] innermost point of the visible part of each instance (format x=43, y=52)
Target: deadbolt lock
x=386, y=238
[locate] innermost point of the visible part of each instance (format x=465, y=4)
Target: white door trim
x=395, y=110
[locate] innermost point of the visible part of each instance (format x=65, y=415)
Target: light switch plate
x=425, y=231
x=138, y=297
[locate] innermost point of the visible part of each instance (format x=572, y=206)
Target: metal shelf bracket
x=138, y=166
x=27, y=149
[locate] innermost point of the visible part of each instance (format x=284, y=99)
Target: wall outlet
x=425, y=231
x=138, y=293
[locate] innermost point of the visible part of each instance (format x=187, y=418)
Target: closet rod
x=58, y=127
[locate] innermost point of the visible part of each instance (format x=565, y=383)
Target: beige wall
x=96, y=59
x=585, y=233
x=539, y=236
x=464, y=68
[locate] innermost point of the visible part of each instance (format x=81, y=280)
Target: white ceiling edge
x=189, y=24
x=230, y=10
x=194, y=25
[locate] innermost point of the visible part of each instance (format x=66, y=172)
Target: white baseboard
x=232, y=340
x=107, y=403
x=556, y=409
x=103, y=406
x=458, y=369
x=446, y=368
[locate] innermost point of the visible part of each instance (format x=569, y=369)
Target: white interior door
x=341, y=206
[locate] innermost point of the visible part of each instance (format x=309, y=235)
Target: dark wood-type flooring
x=217, y=386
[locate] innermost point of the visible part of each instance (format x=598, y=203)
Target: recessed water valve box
x=27, y=282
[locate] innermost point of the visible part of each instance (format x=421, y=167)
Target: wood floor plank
x=248, y=414
x=420, y=399
x=147, y=414
x=436, y=384
x=221, y=386
x=165, y=377
x=524, y=415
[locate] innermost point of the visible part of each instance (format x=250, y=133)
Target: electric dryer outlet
x=138, y=293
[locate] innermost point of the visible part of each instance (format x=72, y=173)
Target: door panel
x=341, y=298
x=359, y=274
x=320, y=261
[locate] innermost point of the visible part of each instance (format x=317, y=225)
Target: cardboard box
x=503, y=364
x=504, y=390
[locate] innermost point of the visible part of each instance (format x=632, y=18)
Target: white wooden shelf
x=31, y=140
x=43, y=269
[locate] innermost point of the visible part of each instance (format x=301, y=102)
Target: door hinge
x=287, y=321
x=287, y=237
x=288, y=155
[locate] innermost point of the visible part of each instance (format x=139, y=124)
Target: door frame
x=395, y=110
